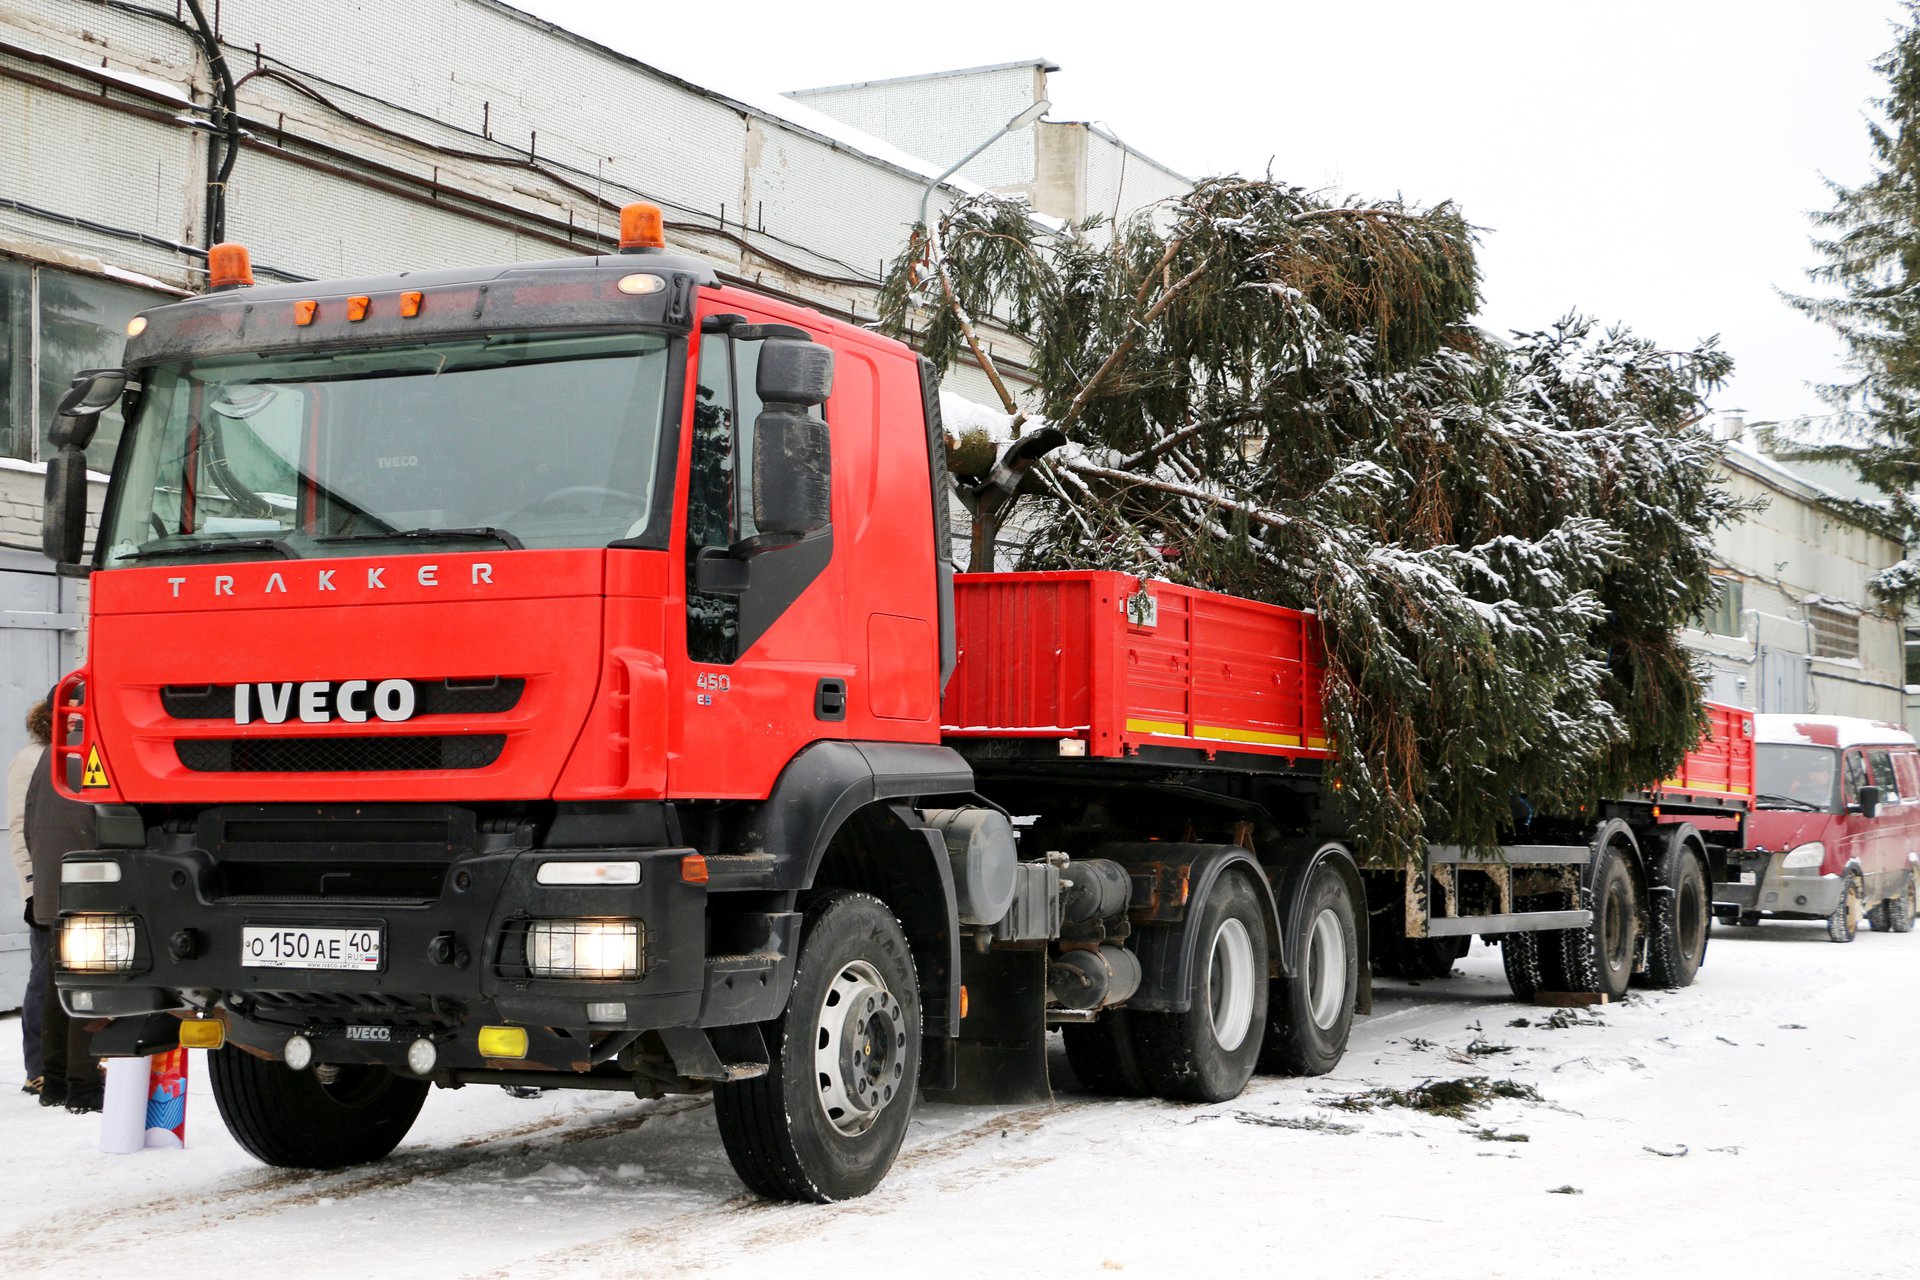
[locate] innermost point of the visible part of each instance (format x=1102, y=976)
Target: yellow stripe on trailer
x=1260, y=736
x=1169, y=728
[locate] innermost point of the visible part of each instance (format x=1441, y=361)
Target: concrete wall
x=1792, y=552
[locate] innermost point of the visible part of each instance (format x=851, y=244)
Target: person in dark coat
x=55, y=827
x=31, y=759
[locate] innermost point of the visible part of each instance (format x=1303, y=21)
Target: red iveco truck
x=556, y=674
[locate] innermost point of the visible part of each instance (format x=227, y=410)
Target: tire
x=1520, y=957
x=1207, y=1054
x=1419, y=959
x=290, y=1119
x=1844, y=924
x=1880, y=916
x=1601, y=956
x=827, y=1119
x=1103, y=1057
x=1682, y=924
x=1901, y=910
x=1311, y=1014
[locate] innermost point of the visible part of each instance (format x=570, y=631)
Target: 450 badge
x=710, y=683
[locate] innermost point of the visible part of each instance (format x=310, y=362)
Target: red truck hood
x=169, y=643
x=1777, y=830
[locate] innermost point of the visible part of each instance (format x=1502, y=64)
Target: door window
x=1906, y=768
x=1883, y=777
x=713, y=621
x=1856, y=777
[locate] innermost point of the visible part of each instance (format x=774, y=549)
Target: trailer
x=556, y=674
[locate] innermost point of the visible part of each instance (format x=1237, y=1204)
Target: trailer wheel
x=1103, y=1057
x=1207, y=1054
x=1600, y=957
x=827, y=1119
x=1682, y=921
x=1520, y=955
x=1844, y=924
x=1311, y=1013
x=290, y=1119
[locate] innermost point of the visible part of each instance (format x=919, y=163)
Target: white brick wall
x=942, y=117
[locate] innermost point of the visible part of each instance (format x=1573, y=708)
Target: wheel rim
x=1616, y=941
x=1326, y=969
x=1230, y=980
x=860, y=1049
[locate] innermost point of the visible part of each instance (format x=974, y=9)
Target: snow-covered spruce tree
x=1282, y=398
x=1870, y=243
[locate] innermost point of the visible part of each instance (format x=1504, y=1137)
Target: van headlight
x=96, y=944
x=1810, y=854
x=583, y=948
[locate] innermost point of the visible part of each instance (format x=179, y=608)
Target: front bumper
x=449, y=963
x=1765, y=886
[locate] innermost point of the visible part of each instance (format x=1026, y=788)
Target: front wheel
x=827, y=1119
x=1844, y=924
x=1312, y=1012
x=1207, y=1053
x=1682, y=918
x=294, y=1120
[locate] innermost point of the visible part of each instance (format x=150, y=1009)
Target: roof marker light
x=136, y=326
x=357, y=307
x=229, y=266
x=641, y=284
x=303, y=311
x=642, y=228
x=410, y=304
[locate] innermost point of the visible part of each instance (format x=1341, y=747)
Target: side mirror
x=1868, y=799
x=792, y=476
x=63, y=530
x=77, y=416
x=794, y=372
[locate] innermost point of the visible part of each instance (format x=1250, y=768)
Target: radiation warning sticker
x=95, y=774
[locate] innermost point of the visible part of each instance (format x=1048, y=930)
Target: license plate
x=306, y=947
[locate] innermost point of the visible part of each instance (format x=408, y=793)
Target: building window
x=1836, y=632
x=1725, y=616
x=58, y=322
x=1913, y=656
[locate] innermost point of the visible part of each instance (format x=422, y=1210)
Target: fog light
x=96, y=944
x=610, y=1011
x=499, y=1042
x=583, y=948
x=202, y=1033
x=422, y=1056
x=298, y=1052
x=82, y=1001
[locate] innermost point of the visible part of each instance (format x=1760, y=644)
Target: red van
x=1835, y=832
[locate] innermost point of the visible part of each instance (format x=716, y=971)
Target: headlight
x=96, y=944
x=583, y=948
x=1810, y=854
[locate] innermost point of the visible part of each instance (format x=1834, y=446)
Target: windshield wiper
x=487, y=532
x=211, y=548
x=1773, y=801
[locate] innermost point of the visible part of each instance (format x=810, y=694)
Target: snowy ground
x=1760, y=1124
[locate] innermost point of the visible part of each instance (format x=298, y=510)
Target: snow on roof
x=1786, y=727
x=1045, y=64
x=149, y=84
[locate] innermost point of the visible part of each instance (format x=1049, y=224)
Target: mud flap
x=1001, y=1055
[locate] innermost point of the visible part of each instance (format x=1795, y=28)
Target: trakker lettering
x=480, y=573
x=321, y=701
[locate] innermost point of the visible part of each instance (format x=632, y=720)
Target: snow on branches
x=1282, y=398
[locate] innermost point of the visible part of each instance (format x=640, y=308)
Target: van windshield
x=1796, y=777
x=514, y=440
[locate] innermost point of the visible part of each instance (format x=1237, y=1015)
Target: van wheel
x=1600, y=957
x=1311, y=1013
x=1900, y=912
x=1207, y=1053
x=1844, y=924
x=827, y=1119
x=290, y=1119
x=1682, y=921
x=1102, y=1055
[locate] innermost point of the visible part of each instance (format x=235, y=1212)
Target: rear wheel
x=827, y=1119
x=1520, y=957
x=291, y=1119
x=1311, y=1013
x=1844, y=924
x=1207, y=1053
x=1601, y=956
x=1682, y=921
x=1902, y=909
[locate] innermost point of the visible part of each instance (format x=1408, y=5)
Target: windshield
x=1795, y=777
x=508, y=441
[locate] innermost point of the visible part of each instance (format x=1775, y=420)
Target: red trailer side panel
x=1721, y=767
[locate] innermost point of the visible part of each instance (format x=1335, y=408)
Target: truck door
x=768, y=665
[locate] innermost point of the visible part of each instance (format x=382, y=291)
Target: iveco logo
x=399, y=460
x=324, y=580
x=319, y=701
